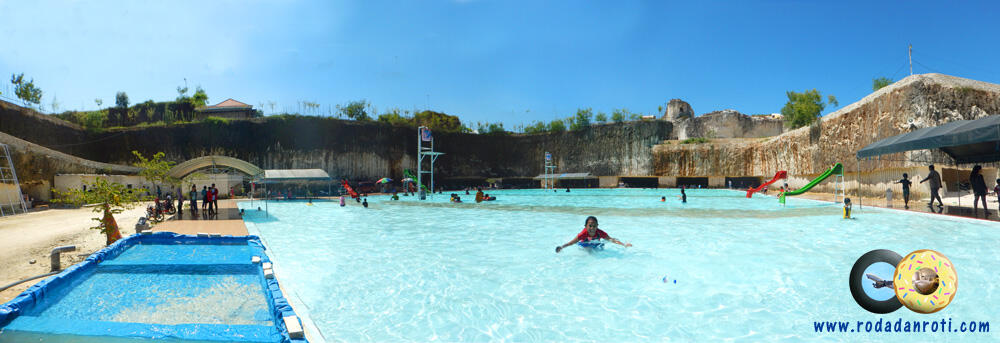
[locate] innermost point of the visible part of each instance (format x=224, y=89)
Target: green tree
x=879, y=82
x=26, y=91
x=356, y=110
x=93, y=120
x=803, y=108
x=182, y=94
x=581, y=121
x=437, y=121
x=601, y=117
x=618, y=115
x=557, y=125
x=536, y=128
x=393, y=117
x=200, y=98
x=495, y=129
x=121, y=100
x=111, y=198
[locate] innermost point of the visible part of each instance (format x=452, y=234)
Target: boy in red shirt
x=591, y=232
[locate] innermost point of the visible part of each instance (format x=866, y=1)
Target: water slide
x=836, y=169
x=781, y=174
x=350, y=191
x=406, y=173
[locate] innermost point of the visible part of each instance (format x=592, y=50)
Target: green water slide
x=837, y=169
x=406, y=173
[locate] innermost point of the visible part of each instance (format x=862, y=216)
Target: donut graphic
x=882, y=281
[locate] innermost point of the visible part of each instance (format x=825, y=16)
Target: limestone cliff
x=915, y=102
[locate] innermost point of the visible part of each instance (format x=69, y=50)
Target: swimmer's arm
x=613, y=240
x=575, y=239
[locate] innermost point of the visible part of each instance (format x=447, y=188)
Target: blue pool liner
x=34, y=296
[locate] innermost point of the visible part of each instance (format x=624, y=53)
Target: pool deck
x=953, y=206
x=226, y=222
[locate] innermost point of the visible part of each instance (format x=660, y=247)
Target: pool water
x=180, y=292
x=717, y=267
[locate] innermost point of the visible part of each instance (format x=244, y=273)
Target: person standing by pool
x=180, y=201
x=978, y=189
x=996, y=191
x=193, y=194
x=591, y=232
x=906, y=190
x=204, y=197
x=215, y=199
x=935, y=184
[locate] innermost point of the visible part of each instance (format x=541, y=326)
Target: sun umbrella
x=384, y=180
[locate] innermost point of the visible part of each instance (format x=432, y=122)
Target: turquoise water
x=747, y=269
x=180, y=292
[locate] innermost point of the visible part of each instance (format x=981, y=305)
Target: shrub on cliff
x=557, y=125
x=355, y=110
x=536, y=128
x=581, y=121
x=438, y=121
x=26, y=91
x=695, y=140
x=879, y=82
x=803, y=108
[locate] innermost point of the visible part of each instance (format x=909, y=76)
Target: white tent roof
x=279, y=175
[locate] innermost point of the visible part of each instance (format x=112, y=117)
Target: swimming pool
x=159, y=286
x=744, y=268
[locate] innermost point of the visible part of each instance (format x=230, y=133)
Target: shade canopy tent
x=966, y=141
x=566, y=176
x=286, y=175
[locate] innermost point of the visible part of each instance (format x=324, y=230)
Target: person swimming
x=591, y=233
x=663, y=199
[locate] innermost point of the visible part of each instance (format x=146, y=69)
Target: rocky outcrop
x=678, y=109
x=731, y=124
x=915, y=102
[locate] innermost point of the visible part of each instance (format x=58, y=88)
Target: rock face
x=731, y=124
x=349, y=149
x=915, y=102
x=678, y=109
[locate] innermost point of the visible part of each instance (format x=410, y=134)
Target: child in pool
x=847, y=208
x=591, y=232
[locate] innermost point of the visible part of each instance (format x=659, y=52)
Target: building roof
x=228, y=105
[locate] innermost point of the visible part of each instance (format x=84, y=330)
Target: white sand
x=32, y=236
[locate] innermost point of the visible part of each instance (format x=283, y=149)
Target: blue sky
x=508, y=61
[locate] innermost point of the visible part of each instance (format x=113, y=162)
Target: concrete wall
x=65, y=182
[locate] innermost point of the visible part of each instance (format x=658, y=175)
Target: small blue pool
x=160, y=286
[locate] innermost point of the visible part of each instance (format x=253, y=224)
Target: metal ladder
x=8, y=178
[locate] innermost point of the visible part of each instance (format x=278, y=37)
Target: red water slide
x=350, y=191
x=781, y=174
